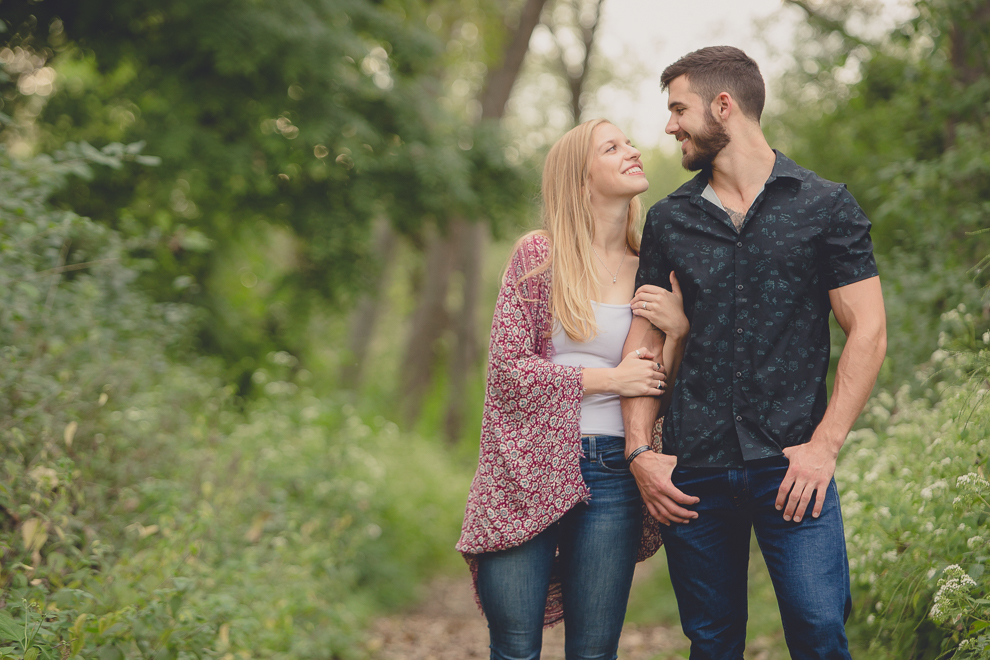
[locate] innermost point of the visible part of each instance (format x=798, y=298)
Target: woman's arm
x=637, y=375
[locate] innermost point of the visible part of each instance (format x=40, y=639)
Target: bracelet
x=636, y=452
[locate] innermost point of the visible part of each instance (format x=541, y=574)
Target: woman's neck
x=610, y=226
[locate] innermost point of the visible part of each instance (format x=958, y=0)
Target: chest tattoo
x=737, y=217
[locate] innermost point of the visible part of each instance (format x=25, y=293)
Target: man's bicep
x=653, y=266
x=859, y=305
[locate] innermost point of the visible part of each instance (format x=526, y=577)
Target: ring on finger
x=638, y=354
x=644, y=305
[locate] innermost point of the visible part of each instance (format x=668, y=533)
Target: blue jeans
x=708, y=560
x=598, y=542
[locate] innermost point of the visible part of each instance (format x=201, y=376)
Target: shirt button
x=738, y=374
x=739, y=286
x=739, y=331
x=739, y=244
x=738, y=418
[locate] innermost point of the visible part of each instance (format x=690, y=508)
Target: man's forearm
x=855, y=376
x=639, y=414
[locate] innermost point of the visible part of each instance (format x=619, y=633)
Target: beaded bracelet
x=636, y=452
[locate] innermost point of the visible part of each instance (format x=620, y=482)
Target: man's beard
x=707, y=145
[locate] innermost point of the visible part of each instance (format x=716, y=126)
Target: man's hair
x=716, y=69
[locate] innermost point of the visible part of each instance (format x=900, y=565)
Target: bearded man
x=763, y=250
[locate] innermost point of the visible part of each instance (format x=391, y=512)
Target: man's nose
x=672, y=126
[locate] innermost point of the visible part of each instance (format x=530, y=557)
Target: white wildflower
x=890, y=556
x=974, y=541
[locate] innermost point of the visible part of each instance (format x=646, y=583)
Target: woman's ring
x=638, y=354
x=644, y=305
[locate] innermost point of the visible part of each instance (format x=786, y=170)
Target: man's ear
x=723, y=105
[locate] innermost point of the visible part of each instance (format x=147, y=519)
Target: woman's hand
x=664, y=309
x=638, y=375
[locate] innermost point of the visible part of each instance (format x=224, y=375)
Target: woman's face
x=616, y=170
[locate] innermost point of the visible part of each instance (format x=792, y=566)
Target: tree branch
x=828, y=24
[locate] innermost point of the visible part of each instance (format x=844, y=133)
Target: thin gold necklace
x=615, y=277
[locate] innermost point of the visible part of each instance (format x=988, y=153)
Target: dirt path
x=448, y=626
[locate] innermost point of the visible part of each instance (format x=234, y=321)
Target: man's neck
x=743, y=167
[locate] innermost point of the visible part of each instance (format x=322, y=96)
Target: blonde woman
x=554, y=522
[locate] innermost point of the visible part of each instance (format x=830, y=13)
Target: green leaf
x=31, y=653
x=10, y=630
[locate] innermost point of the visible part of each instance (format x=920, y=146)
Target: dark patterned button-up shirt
x=752, y=381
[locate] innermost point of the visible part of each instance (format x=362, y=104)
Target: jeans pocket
x=613, y=461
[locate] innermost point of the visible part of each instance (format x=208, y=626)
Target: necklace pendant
x=614, y=279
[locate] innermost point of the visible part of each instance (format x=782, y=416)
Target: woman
x=554, y=522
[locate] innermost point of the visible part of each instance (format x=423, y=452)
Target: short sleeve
x=848, y=250
x=653, y=265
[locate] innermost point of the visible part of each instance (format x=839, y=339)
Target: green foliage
x=310, y=116
x=904, y=122
x=148, y=512
x=917, y=506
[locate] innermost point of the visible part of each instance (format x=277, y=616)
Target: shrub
x=915, y=499
x=147, y=512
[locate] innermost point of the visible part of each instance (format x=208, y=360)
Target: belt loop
x=592, y=448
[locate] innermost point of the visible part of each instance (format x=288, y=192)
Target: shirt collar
x=783, y=167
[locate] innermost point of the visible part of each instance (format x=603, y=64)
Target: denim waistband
x=596, y=444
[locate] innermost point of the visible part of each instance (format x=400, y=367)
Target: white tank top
x=601, y=414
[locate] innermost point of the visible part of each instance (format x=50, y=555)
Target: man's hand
x=811, y=469
x=663, y=499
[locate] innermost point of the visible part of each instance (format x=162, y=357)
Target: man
x=763, y=250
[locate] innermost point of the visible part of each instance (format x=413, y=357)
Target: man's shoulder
x=674, y=200
x=810, y=180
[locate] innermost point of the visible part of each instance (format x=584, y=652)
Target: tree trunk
x=969, y=53
x=469, y=237
x=464, y=357
x=500, y=81
x=365, y=315
x=430, y=321
x=578, y=77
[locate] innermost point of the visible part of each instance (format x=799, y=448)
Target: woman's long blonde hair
x=569, y=223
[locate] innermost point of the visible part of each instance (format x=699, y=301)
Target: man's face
x=701, y=135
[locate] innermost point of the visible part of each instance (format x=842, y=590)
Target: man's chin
x=694, y=164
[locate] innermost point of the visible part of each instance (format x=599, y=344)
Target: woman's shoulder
x=530, y=253
x=534, y=244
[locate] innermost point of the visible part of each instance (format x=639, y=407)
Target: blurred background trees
x=249, y=255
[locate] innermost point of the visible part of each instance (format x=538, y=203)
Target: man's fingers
x=803, y=501
x=658, y=514
x=680, y=497
x=675, y=286
x=784, y=490
x=819, y=501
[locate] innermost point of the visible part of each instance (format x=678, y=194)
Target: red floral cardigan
x=528, y=472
